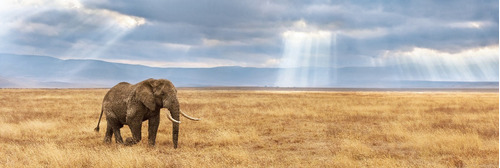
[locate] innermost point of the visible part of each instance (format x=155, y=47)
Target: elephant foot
x=151, y=143
x=107, y=140
x=130, y=141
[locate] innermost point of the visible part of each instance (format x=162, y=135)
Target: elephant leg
x=109, y=134
x=153, y=129
x=135, y=128
x=118, y=136
x=114, y=128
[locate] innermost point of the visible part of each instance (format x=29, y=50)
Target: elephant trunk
x=175, y=116
x=175, y=134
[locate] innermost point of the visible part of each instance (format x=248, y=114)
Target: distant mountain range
x=29, y=71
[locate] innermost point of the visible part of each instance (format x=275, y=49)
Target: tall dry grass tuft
x=54, y=128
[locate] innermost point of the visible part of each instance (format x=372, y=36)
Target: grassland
x=54, y=128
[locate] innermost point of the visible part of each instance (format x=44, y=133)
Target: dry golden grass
x=54, y=128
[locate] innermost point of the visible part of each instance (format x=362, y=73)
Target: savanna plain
x=245, y=128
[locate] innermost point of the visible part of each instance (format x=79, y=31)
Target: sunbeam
x=480, y=64
x=306, y=59
x=117, y=26
x=92, y=52
x=90, y=32
x=112, y=27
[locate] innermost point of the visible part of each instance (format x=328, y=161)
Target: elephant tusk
x=172, y=119
x=189, y=117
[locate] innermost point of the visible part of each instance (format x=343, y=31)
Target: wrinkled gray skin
x=127, y=104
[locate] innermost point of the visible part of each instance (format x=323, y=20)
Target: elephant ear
x=144, y=93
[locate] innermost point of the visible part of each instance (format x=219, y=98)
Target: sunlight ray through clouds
x=104, y=26
x=282, y=44
x=479, y=64
x=111, y=28
x=307, y=58
x=115, y=27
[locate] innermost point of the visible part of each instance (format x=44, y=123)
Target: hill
x=49, y=72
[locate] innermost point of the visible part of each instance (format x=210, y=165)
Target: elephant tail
x=96, y=129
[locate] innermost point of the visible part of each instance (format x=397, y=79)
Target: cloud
x=480, y=64
x=240, y=33
x=52, y=27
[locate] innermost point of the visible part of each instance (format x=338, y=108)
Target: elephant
x=127, y=104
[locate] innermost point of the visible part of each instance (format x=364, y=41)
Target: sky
x=459, y=36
